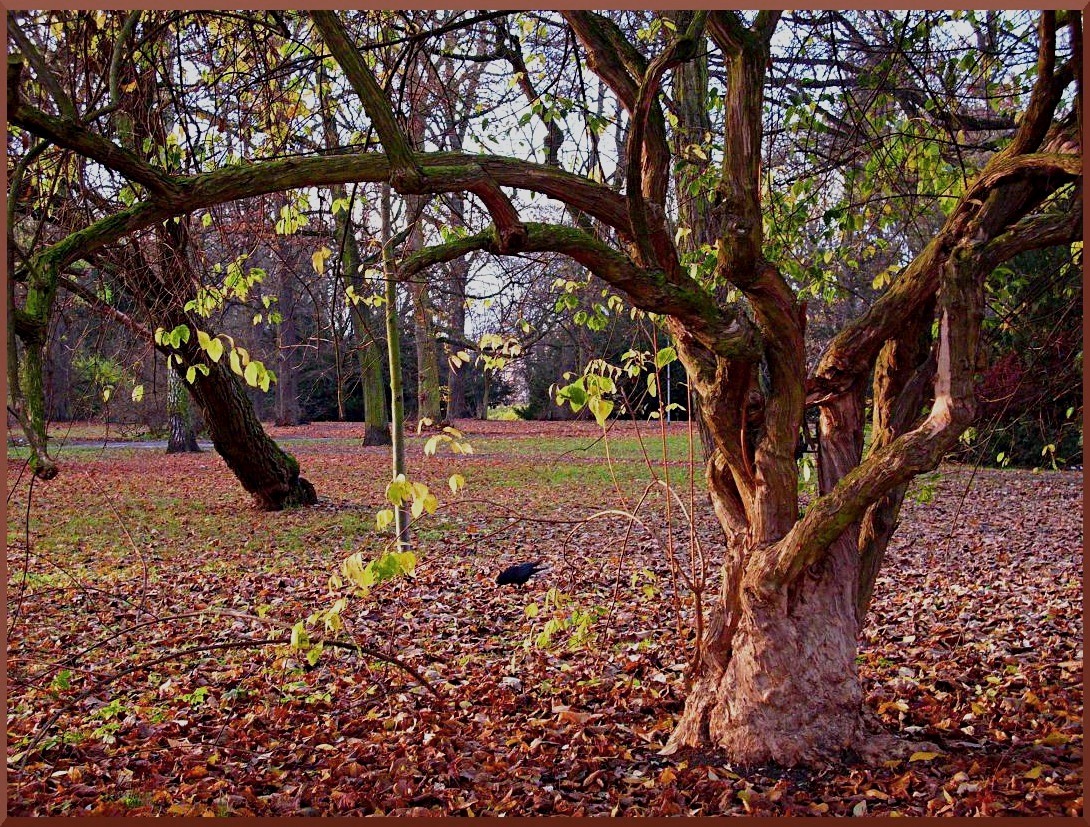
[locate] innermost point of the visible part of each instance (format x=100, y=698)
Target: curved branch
x=921, y=449
x=446, y=172
x=654, y=242
x=70, y=134
x=1037, y=232
x=717, y=329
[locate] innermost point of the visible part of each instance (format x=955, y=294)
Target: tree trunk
x=459, y=276
x=265, y=470
x=482, y=411
x=28, y=395
x=183, y=436
x=782, y=686
x=368, y=343
x=393, y=348
x=428, y=393
x=287, y=342
x=374, y=394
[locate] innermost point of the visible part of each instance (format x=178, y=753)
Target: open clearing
x=141, y=680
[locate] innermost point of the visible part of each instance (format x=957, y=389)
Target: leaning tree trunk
x=183, y=435
x=267, y=472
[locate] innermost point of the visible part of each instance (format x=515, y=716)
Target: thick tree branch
x=718, y=331
x=652, y=238
x=609, y=54
x=919, y=450
x=405, y=175
x=1037, y=232
x=622, y=67
x=446, y=172
x=70, y=134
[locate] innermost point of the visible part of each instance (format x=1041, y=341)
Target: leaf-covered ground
x=145, y=678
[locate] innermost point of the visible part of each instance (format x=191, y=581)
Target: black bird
x=518, y=573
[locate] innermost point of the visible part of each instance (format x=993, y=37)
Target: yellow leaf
x=318, y=259
x=455, y=482
x=1055, y=739
x=215, y=349
x=923, y=756
x=1036, y=772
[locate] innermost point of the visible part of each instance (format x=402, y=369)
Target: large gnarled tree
x=775, y=678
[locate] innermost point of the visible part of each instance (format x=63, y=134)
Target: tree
x=991, y=171
x=182, y=435
x=162, y=288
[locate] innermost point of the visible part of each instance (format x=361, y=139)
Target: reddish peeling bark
x=789, y=689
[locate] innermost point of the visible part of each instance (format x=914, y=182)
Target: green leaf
x=601, y=409
x=62, y=680
x=575, y=394
x=179, y=335
x=251, y=374
x=398, y=489
x=392, y=565
x=214, y=349
x=299, y=638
